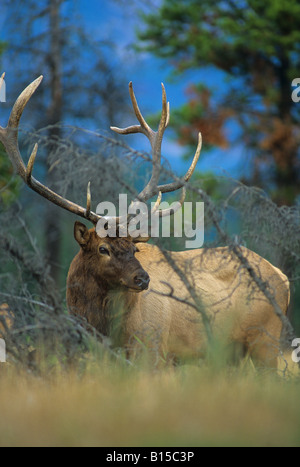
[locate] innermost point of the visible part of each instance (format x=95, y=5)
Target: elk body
x=170, y=303
x=108, y=284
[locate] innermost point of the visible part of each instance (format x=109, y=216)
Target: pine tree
x=256, y=45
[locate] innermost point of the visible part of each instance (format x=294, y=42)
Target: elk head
x=111, y=260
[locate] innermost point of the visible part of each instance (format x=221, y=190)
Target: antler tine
x=31, y=164
x=195, y=160
x=143, y=127
x=165, y=115
x=171, y=211
x=21, y=102
x=88, y=200
x=9, y=138
x=157, y=203
x=151, y=188
x=180, y=183
x=177, y=184
x=9, y=135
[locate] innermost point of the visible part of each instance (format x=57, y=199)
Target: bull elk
x=133, y=283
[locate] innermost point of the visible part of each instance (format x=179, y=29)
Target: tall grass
x=114, y=404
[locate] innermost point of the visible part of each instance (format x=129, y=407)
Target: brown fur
x=161, y=316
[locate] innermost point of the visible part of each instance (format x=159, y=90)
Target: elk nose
x=142, y=280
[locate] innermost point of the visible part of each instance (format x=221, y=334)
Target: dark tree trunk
x=53, y=213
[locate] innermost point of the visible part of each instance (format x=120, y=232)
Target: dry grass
x=115, y=406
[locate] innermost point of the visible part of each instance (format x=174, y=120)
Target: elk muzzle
x=142, y=280
x=137, y=281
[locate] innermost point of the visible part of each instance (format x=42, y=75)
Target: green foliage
x=219, y=33
x=9, y=186
x=2, y=47
x=256, y=45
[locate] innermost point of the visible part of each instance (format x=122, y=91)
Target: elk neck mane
x=94, y=299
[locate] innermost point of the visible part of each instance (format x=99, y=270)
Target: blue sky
x=113, y=22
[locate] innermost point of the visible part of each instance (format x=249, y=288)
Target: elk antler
x=155, y=137
x=9, y=138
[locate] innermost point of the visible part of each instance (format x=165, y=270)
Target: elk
x=169, y=302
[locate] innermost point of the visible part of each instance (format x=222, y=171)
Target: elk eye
x=103, y=251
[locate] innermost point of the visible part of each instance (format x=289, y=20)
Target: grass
x=112, y=405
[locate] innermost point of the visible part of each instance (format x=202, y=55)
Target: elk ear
x=81, y=233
